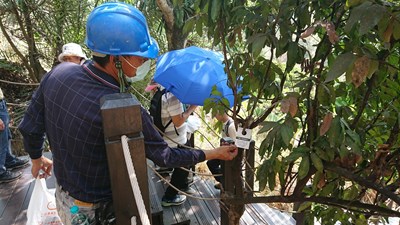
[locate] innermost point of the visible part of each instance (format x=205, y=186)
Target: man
x=173, y=118
x=8, y=162
x=66, y=108
x=72, y=52
x=228, y=130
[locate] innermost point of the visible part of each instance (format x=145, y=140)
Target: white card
x=243, y=140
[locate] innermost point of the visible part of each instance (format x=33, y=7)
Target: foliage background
x=322, y=76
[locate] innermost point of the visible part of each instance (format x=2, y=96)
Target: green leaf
x=304, y=15
x=208, y=104
x=292, y=56
x=317, y=162
x=215, y=91
x=396, y=29
x=321, y=153
x=304, y=206
x=350, y=3
x=286, y=134
x=335, y=133
x=267, y=125
x=304, y=167
x=189, y=24
x=371, y=17
x=178, y=14
x=262, y=175
x=215, y=9
x=293, y=156
x=351, y=193
x=367, y=14
x=297, y=153
x=263, y=147
x=271, y=180
x=323, y=94
x=258, y=44
x=340, y=65
x=328, y=189
x=331, y=153
x=199, y=27
x=281, y=47
x=316, y=179
x=373, y=67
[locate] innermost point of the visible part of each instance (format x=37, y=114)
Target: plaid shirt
x=66, y=109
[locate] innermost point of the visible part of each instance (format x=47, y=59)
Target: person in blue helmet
x=66, y=109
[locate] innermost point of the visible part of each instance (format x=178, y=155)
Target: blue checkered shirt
x=66, y=109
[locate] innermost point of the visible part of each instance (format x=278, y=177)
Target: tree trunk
x=33, y=53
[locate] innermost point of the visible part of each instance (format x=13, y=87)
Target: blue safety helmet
x=117, y=28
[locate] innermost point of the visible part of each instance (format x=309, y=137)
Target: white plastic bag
x=42, y=206
x=193, y=123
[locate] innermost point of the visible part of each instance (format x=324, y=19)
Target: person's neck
x=108, y=70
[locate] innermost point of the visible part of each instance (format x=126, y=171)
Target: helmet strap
x=121, y=77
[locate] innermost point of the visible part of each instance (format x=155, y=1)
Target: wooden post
x=249, y=165
x=232, y=186
x=300, y=216
x=122, y=116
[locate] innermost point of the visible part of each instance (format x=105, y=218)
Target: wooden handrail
x=121, y=115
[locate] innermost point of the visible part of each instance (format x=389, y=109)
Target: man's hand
x=227, y=152
x=41, y=164
x=2, y=125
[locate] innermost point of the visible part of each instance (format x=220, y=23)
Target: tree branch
x=168, y=13
x=16, y=50
x=346, y=204
x=364, y=102
x=349, y=175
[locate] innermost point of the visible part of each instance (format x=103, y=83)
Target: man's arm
x=226, y=152
x=2, y=125
x=178, y=120
x=32, y=125
x=175, y=109
x=158, y=151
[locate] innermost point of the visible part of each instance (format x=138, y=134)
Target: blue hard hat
x=116, y=28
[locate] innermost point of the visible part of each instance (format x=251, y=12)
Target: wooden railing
x=121, y=115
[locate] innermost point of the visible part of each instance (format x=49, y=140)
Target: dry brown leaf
x=307, y=32
x=388, y=32
x=293, y=106
x=383, y=146
x=285, y=105
x=360, y=70
x=326, y=123
x=333, y=37
x=321, y=182
x=331, y=31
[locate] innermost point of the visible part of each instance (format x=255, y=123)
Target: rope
x=177, y=189
x=11, y=82
x=16, y=104
x=201, y=174
x=134, y=183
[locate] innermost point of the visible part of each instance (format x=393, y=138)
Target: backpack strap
x=226, y=128
x=170, y=121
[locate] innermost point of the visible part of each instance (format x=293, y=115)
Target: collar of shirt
x=99, y=75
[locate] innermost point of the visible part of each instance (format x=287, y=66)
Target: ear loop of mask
x=141, y=71
x=121, y=76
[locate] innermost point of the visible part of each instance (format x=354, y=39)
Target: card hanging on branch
x=243, y=138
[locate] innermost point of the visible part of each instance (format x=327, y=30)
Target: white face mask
x=141, y=71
